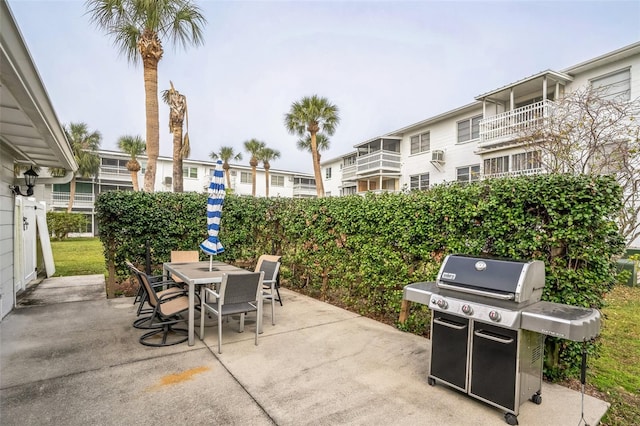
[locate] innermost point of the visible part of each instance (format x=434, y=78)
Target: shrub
x=61, y=224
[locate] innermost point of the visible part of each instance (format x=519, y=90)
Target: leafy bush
x=360, y=252
x=61, y=224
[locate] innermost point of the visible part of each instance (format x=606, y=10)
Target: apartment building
x=113, y=175
x=477, y=140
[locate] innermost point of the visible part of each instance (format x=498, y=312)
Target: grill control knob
x=442, y=304
x=494, y=316
x=467, y=309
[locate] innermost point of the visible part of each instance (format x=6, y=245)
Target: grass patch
x=78, y=256
x=616, y=373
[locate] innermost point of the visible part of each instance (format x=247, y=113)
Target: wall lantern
x=30, y=178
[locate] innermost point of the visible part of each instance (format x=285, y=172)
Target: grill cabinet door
x=449, y=341
x=493, y=364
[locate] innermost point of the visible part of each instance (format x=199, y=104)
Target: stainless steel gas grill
x=488, y=326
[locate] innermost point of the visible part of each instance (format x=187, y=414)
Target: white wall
x=6, y=233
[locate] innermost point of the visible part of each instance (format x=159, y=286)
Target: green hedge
x=359, y=252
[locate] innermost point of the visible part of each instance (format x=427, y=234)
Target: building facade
x=480, y=139
x=113, y=175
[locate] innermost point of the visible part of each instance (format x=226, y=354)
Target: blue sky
x=385, y=64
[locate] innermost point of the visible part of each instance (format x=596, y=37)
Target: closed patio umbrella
x=212, y=244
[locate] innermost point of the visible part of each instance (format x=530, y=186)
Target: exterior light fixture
x=30, y=178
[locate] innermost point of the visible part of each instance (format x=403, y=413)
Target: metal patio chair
x=270, y=265
x=239, y=294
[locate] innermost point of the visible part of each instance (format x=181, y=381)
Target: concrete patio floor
x=69, y=356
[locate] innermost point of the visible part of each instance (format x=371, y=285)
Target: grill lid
x=505, y=279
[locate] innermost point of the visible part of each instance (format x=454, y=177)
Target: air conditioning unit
x=233, y=172
x=437, y=155
x=168, y=180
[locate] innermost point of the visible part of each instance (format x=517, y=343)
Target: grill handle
x=506, y=341
x=440, y=321
x=509, y=296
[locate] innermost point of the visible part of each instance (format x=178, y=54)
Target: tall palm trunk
x=134, y=180
x=267, y=166
x=316, y=165
x=72, y=194
x=254, y=163
x=150, y=48
x=177, y=159
x=226, y=167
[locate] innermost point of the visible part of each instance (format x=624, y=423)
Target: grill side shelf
x=564, y=321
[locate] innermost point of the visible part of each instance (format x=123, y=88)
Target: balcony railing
x=115, y=172
x=349, y=173
x=379, y=161
x=514, y=173
x=60, y=199
x=304, y=189
x=509, y=125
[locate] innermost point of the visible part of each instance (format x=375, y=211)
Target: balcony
x=114, y=172
x=508, y=126
x=349, y=173
x=515, y=173
x=304, y=190
x=378, y=162
x=81, y=200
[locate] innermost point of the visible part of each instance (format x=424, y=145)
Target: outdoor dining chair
x=162, y=286
x=239, y=294
x=167, y=306
x=183, y=256
x=270, y=265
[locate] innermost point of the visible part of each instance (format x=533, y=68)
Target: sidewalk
x=77, y=361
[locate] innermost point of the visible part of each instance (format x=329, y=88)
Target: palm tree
x=177, y=114
x=266, y=155
x=313, y=114
x=226, y=153
x=138, y=28
x=322, y=142
x=253, y=147
x=134, y=146
x=84, y=145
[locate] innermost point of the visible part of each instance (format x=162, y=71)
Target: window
x=496, y=165
x=469, y=129
x=349, y=190
x=421, y=143
x=245, y=177
x=468, y=173
x=419, y=182
x=190, y=172
x=277, y=180
x=327, y=173
x=526, y=161
x=614, y=86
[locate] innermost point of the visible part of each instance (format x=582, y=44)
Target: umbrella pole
x=210, y=263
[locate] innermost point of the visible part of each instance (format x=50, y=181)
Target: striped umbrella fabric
x=212, y=244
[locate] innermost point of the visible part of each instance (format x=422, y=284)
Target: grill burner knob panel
x=467, y=309
x=495, y=316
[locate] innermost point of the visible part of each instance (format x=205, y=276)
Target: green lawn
x=615, y=374
x=78, y=256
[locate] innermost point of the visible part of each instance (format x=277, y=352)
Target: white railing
x=349, y=172
x=378, y=161
x=79, y=200
x=510, y=124
x=115, y=171
x=514, y=173
x=304, y=189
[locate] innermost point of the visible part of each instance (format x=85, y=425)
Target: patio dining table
x=197, y=274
